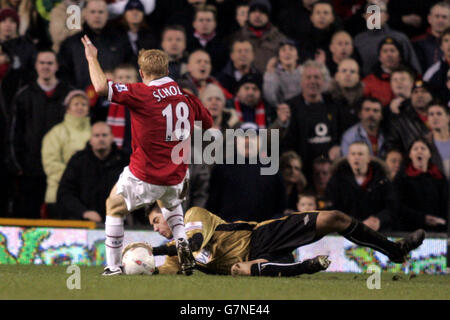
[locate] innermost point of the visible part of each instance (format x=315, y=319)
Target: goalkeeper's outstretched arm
x=169, y=249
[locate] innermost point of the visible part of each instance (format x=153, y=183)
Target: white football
x=137, y=258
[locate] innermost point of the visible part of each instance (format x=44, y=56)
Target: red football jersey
x=162, y=115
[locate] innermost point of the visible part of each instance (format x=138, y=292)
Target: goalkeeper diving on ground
x=243, y=248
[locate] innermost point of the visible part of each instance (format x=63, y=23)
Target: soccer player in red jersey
x=162, y=116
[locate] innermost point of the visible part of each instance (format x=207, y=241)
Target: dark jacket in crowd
x=436, y=76
x=318, y=39
x=198, y=186
x=227, y=78
x=265, y=46
x=405, y=127
x=240, y=192
x=376, y=197
x=113, y=49
x=21, y=68
x=349, y=101
x=4, y=186
x=428, y=50
x=146, y=40
x=399, y=8
x=216, y=49
x=87, y=182
x=313, y=129
x=294, y=21
x=421, y=194
x=34, y=115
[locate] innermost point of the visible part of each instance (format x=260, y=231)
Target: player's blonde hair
x=153, y=62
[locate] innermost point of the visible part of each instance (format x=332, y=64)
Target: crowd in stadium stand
x=362, y=110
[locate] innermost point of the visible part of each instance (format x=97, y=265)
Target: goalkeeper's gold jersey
x=224, y=244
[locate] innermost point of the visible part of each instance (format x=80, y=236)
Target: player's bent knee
x=338, y=218
x=116, y=206
x=333, y=218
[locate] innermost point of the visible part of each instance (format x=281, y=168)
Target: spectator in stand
x=313, y=128
x=428, y=46
x=438, y=119
x=117, y=8
x=324, y=25
x=422, y=190
x=393, y=160
x=240, y=191
x=282, y=120
x=199, y=72
x=263, y=35
x=118, y=116
x=138, y=33
x=341, y=48
x=294, y=180
x=205, y=37
x=436, y=75
x=347, y=91
x=173, y=43
x=294, y=19
x=306, y=202
x=5, y=188
x=177, y=12
x=377, y=84
x=231, y=16
x=411, y=122
x=198, y=192
x=58, y=23
x=214, y=100
x=402, y=82
x=241, y=63
x=367, y=130
x=321, y=174
x=114, y=46
x=447, y=96
x=249, y=104
x=282, y=75
x=33, y=24
x=38, y=107
x=21, y=52
x=367, y=42
x=90, y=175
x=61, y=142
x=409, y=16
x=351, y=14
x=242, y=14
x=360, y=186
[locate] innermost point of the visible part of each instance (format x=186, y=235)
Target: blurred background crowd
x=362, y=112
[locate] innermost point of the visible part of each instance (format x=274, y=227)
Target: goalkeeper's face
x=160, y=224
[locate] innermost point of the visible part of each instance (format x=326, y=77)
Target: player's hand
x=433, y=221
x=372, y=222
x=92, y=216
x=89, y=49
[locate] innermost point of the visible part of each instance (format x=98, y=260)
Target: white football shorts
x=138, y=193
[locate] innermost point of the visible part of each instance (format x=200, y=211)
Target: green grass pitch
x=49, y=282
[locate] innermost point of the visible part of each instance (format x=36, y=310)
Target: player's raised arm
x=98, y=77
